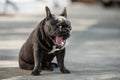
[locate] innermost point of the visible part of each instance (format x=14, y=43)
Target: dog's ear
x=64, y=13
x=48, y=13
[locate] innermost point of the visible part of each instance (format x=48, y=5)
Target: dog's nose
x=64, y=34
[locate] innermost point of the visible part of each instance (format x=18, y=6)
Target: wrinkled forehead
x=62, y=19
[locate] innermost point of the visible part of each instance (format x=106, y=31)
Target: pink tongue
x=59, y=41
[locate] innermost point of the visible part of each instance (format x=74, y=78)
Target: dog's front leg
x=37, y=62
x=60, y=60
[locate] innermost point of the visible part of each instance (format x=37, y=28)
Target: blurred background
x=93, y=50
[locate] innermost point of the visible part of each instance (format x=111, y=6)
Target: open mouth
x=59, y=41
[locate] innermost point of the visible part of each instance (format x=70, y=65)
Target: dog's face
x=57, y=27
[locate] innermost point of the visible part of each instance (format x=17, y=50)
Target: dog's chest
x=54, y=49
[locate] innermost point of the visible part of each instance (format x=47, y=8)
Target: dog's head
x=57, y=27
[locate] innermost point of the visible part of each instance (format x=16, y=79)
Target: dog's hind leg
x=25, y=65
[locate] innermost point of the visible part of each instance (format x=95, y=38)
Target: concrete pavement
x=92, y=51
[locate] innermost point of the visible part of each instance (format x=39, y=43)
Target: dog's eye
x=65, y=26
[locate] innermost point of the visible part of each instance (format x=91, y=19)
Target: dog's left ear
x=48, y=12
x=64, y=13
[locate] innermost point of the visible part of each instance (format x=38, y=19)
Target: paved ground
x=93, y=51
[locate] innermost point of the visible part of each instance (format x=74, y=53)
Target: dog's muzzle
x=65, y=34
x=61, y=38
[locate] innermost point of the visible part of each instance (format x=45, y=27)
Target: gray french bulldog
x=46, y=41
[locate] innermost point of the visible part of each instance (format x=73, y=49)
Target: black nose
x=64, y=34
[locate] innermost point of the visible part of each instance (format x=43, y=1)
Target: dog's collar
x=55, y=49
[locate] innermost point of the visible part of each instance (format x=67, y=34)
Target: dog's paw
x=65, y=71
x=51, y=68
x=35, y=73
x=48, y=68
x=54, y=64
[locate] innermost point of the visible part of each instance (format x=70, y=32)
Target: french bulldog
x=45, y=42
